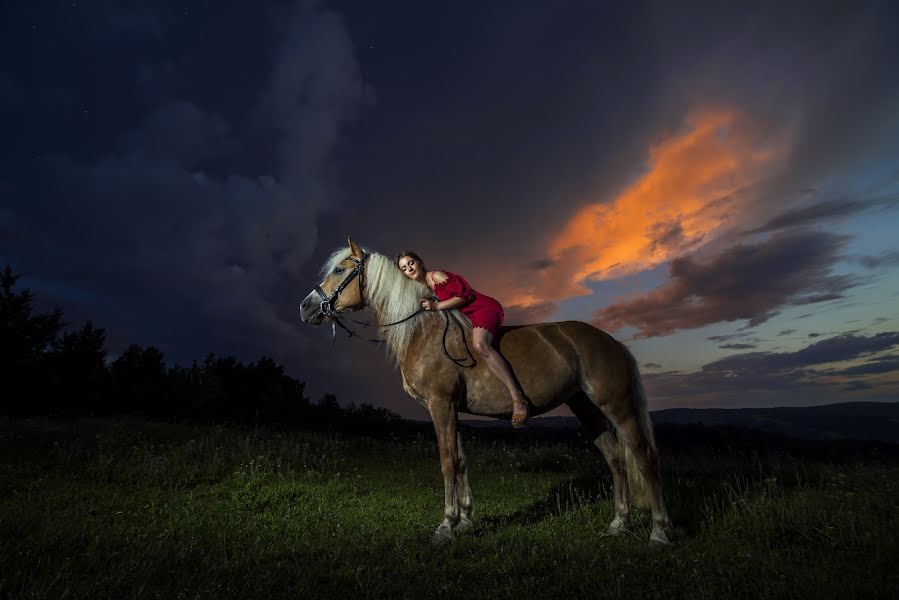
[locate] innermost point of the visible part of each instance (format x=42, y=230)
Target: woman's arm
x=453, y=290
x=450, y=304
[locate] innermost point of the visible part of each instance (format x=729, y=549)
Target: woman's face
x=410, y=268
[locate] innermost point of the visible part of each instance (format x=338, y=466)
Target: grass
x=103, y=508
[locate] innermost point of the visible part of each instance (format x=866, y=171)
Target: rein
x=327, y=308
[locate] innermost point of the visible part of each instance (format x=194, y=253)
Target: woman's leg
x=482, y=340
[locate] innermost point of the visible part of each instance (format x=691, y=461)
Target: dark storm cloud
x=780, y=371
x=737, y=346
x=167, y=239
x=181, y=133
x=752, y=282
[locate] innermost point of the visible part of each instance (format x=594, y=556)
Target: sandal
x=519, y=418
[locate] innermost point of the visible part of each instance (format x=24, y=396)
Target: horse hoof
x=659, y=540
x=464, y=525
x=617, y=526
x=443, y=535
x=612, y=531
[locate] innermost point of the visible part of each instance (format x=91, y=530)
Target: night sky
x=716, y=184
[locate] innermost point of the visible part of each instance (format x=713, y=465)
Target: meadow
x=130, y=508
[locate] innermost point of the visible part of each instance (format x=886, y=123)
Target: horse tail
x=636, y=483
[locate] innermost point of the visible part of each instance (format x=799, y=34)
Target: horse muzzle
x=311, y=309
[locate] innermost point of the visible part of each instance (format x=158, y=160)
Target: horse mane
x=394, y=296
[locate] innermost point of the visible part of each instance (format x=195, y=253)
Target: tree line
x=47, y=370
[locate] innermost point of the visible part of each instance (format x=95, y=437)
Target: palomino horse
x=568, y=362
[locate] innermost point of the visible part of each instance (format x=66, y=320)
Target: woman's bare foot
x=519, y=413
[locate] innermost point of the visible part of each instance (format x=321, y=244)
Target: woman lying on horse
x=486, y=316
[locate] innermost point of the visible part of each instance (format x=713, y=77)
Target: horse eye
x=338, y=270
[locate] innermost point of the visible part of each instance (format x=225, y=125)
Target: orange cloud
x=696, y=180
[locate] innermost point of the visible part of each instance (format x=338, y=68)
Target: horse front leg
x=463, y=490
x=444, y=417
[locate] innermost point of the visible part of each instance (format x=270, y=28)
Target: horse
x=568, y=362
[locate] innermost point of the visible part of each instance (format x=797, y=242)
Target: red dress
x=483, y=310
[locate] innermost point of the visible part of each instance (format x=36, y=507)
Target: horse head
x=334, y=295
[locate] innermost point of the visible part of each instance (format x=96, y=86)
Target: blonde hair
x=394, y=296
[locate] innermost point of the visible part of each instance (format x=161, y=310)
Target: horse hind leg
x=635, y=440
x=603, y=437
x=626, y=410
x=642, y=466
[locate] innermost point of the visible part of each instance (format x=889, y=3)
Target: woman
x=486, y=316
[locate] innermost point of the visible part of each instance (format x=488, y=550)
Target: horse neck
x=379, y=315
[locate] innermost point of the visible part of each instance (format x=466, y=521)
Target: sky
x=715, y=184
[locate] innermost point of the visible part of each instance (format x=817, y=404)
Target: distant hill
x=846, y=420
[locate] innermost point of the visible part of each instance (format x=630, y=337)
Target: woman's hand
x=429, y=304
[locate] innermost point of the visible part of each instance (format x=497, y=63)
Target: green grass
x=96, y=508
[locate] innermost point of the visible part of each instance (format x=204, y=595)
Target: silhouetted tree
x=77, y=362
x=24, y=339
x=138, y=382
x=48, y=373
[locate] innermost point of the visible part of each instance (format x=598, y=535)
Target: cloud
x=829, y=210
x=166, y=225
x=729, y=336
x=182, y=133
x=751, y=282
x=651, y=365
x=737, y=346
x=835, y=349
x=525, y=315
x=882, y=364
x=887, y=258
x=695, y=180
x=779, y=372
x=786, y=332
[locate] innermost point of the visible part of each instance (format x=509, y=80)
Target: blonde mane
x=394, y=297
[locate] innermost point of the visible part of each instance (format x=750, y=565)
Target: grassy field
x=99, y=508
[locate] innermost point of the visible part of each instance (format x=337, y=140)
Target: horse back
x=549, y=360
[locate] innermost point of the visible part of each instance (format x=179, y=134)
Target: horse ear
x=354, y=247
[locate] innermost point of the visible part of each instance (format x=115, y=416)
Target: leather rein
x=326, y=306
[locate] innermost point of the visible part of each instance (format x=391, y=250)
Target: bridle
x=327, y=302
x=327, y=308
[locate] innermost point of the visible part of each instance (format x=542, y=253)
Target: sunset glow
x=696, y=181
